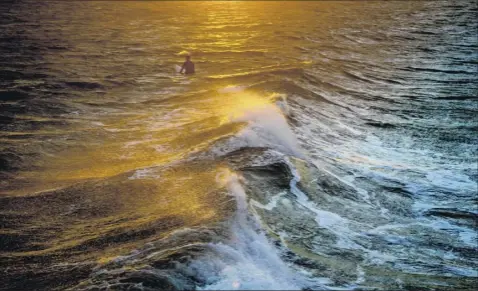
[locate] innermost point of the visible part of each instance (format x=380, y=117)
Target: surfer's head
x=188, y=57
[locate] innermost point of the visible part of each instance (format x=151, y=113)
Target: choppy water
x=319, y=146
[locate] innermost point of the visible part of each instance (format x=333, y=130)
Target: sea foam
x=248, y=261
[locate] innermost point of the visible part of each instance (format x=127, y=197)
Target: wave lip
x=268, y=127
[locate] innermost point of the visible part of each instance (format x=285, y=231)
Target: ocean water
x=320, y=145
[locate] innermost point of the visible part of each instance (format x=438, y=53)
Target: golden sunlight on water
x=307, y=137
x=120, y=144
x=151, y=204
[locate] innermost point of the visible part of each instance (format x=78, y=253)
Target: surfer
x=188, y=66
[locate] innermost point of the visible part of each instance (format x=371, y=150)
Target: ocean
x=324, y=145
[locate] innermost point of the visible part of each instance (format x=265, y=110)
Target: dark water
x=321, y=145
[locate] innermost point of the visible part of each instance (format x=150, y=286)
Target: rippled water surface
x=320, y=145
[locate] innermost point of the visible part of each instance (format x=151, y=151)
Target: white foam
x=248, y=261
x=326, y=219
x=268, y=128
x=323, y=218
x=271, y=205
x=282, y=103
x=360, y=275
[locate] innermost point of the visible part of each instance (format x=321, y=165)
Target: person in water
x=188, y=66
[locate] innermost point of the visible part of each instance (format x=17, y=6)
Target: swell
x=290, y=71
x=87, y=222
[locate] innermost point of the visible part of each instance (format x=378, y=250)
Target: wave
x=267, y=126
x=248, y=261
x=291, y=71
